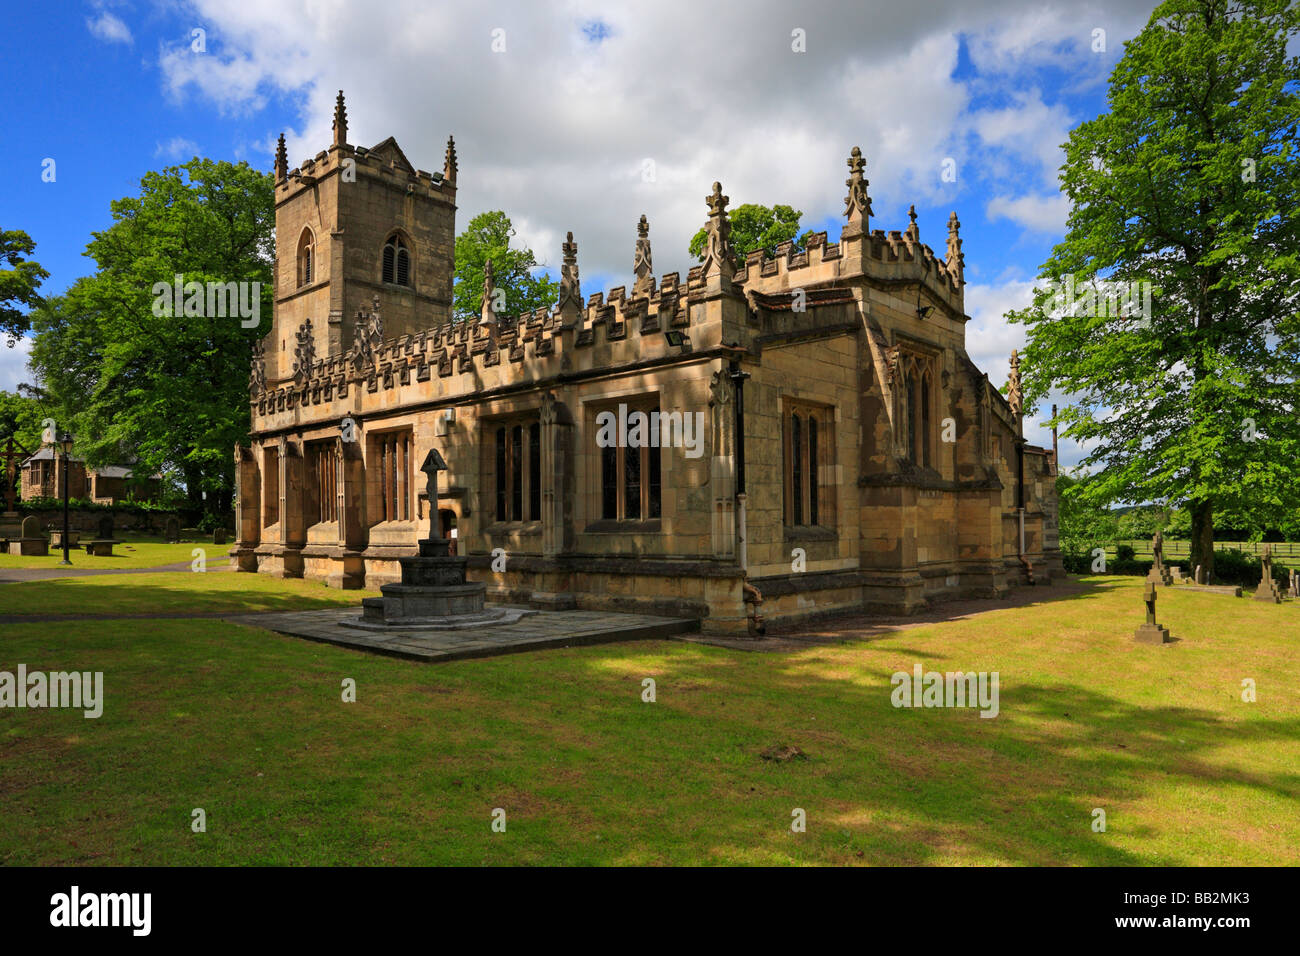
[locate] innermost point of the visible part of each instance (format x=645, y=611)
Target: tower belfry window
x=306, y=258
x=397, y=262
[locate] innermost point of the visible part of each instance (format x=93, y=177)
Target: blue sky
x=556, y=127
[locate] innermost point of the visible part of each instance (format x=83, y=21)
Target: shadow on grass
x=914, y=786
x=115, y=596
x=859, y=626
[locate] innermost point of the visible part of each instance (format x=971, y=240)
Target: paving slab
x=541, y=630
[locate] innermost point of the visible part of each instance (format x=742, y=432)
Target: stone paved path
x=540, y=630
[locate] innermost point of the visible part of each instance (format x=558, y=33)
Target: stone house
x=42, y=477
x=784, y=436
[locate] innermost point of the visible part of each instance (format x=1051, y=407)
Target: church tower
x=356, y=226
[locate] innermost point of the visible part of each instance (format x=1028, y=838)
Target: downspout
x=751, y=594
x=1020, y=506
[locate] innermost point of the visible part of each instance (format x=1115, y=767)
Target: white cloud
x=989, y=341
x=13, y=364
x=1028, y=129
x=554, y=130
x=1035, y=213
x=989, y=337
x=178, y=147
x=109, y=28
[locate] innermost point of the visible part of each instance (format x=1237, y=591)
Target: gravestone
x=172, y=530
x=1295, y=583
x=1151, y=632
x=1200, y=575
x=1267, y=590
x=1159, y=572
x=56, y=539
x=218, y=535
x=102, y=544
x=32, y=540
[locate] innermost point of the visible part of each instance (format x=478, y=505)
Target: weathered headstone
x=1150, y=632
x=56, y=539
x=1267, y=590
x=1200, y=575
x=32, y=540
x=1159, y=572
x=218, y=535
x=1295, y=583
x=172, y=529
x=102, y=544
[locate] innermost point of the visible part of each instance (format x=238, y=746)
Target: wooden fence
x=1174, y=548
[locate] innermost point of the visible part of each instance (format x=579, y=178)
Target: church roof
x=47, y=453
x=389, y=150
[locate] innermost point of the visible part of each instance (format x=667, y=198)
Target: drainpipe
x=751, y=594
x=738, y=381
x=1020, y=507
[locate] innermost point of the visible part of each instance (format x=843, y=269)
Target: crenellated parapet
x=630, y=325
x=894, y=257
x=384, y=162
x=717, y=303
x=363, y=161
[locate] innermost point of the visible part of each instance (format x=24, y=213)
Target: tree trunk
x=1202, y=545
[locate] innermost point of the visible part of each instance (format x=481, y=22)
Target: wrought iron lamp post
x=65, y=443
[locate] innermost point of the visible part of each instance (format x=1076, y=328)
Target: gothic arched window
x=808, y=444
x=397, y=262
x=923, y=453
x=306, y=258
x=913, y=394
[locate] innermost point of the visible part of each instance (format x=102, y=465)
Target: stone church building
x=767, y=439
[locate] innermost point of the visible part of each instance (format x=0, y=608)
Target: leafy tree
x=1141, y=523
x=1083, y=524
x=1190, y=182
x=487, y=237
x=20, y=419
x=168, y=390
x=18, y=282
x=757, y=227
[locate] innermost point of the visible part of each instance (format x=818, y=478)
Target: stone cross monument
x=1267, y=590
x=433, y=463
x=1150, y=632
x=1159, y=573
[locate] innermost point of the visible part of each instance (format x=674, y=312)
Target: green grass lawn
x=134, y=551
x=249, y=726
x=169, y=592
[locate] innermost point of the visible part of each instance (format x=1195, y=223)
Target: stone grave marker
x=172, y=529
x=218, y=535
x=1267, y=590
x=102, y=544
x=32, y=540
x=1150, y=632
x=56, y=539
x=1200, y=575
x=1159, y=572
